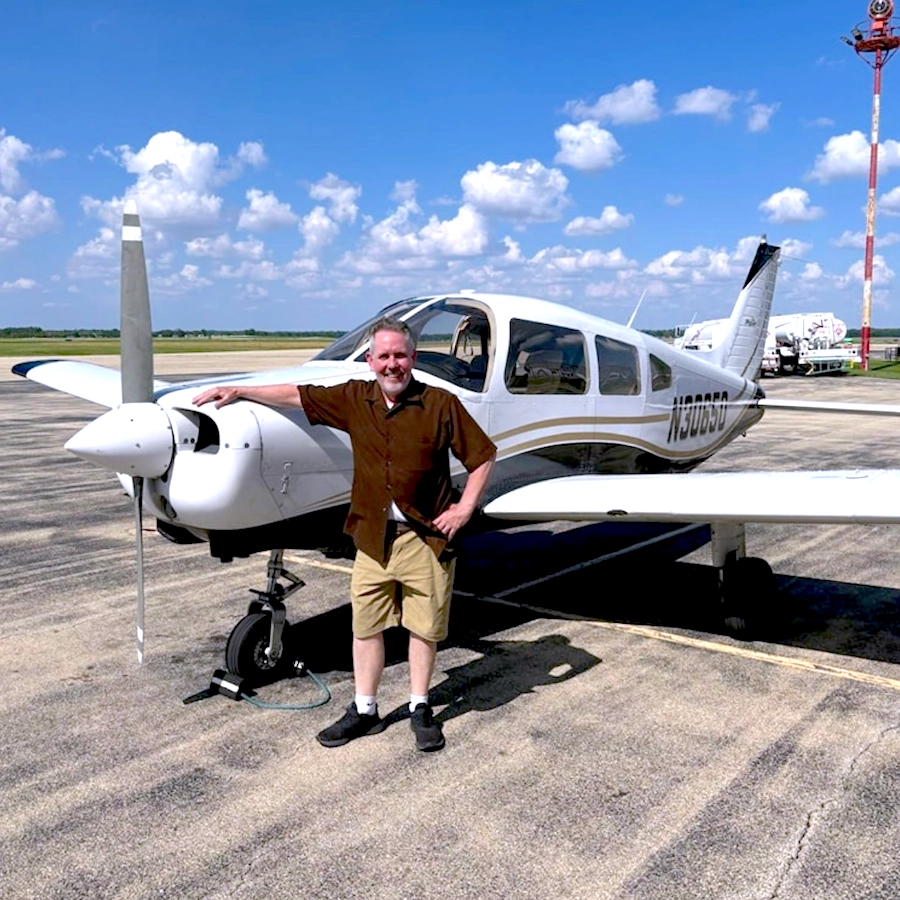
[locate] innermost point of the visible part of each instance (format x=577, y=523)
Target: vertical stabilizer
x=742, y=339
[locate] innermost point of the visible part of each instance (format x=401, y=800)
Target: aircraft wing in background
x=98, y=384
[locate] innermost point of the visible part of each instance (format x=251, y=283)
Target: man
x=402, y=513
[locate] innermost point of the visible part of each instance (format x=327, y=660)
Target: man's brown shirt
x=399, y=454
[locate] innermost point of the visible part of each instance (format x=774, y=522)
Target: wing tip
x=23, y=368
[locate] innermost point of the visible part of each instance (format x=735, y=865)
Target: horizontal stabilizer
x=80, y=379
x=859, y=409
x=858, y=496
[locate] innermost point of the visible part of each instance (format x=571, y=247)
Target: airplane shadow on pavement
x=647, y=587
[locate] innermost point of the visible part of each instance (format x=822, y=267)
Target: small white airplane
x=593, y=421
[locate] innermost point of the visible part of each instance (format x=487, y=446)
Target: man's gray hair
x=389, y=323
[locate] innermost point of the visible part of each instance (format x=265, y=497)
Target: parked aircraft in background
x=592, y=421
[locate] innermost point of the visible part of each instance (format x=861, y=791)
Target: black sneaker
x=428, y=733
x=350, y=725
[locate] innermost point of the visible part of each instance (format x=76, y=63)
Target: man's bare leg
x=422, y=654
x=368, y=664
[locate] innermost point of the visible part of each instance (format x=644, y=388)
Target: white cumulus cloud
x=889, y=203
x=399, y=242
x=176, y=179
x=340, y=195
x=760, y=115
x=188, y=278
x=857, y=239
x=318, y=230
x=24, y=218
x=882, y=273
x=222, y=246
x=847, y=155
x=586, y=147
x=701, y=264
x=705, y=101
x=608, y=221
x=13, y=152
x=559, y=260
x=673, y=199
x=252, y=153
x=627, y=104
x=794, y=249
x=265, y=212
x=812, y=272
x=790, y=205
x=32, y=213
x=20, y=284
x=525, y=191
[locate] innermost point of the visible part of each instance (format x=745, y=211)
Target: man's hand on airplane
x=269, y=394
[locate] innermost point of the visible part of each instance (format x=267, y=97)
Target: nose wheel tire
x=245, y=652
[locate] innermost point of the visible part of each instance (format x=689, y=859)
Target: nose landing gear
x=258, y=648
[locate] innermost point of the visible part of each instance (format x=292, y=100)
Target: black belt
x=395, y=528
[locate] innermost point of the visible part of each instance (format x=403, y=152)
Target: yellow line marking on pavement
x=788, y=662
x=317, y=564
x=670, y=637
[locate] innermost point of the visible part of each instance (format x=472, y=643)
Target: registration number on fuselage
x=694, y=415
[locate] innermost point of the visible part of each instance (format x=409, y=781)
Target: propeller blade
x=136, y=362
x=138, y=483
x=136, y=332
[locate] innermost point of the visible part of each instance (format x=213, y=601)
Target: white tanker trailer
x=801, y=343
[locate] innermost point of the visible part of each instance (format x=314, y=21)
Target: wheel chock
x=224, y=683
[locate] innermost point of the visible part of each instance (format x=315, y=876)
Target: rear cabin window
x=545, y=359
x=660, y=374
x=618, y=366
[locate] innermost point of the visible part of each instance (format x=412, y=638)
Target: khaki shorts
x=411, y=589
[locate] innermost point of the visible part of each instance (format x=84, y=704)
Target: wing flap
x=865, y=496
x=80, y=379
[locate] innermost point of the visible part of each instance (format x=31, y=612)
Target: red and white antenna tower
x=875, y=43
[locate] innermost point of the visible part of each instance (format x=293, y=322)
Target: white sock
x=416, y=699
x=365, y=705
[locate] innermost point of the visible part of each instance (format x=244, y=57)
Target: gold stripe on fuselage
x=585, y=436
x=581, y=420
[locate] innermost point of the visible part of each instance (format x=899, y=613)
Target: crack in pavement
x=813, y=814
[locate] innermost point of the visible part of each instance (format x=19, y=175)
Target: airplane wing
x=80, y=379
x=864, y=496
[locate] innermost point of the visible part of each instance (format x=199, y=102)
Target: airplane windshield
x=347, y=345
x=453, y=340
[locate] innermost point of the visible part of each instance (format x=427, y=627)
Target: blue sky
x=298, y=165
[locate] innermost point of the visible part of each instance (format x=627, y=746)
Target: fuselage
x=559, y=391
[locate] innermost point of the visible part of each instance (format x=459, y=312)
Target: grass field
x=880, y=368
x=29, y=348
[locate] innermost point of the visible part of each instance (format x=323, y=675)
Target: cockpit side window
x=453, y=342
x=545, y=359
x=619, y=368
x=660, y=374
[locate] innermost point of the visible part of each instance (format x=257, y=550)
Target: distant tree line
x=875, y=332
x=662, y=333
x=34, y=332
